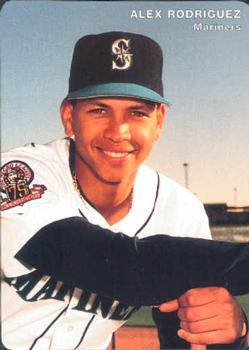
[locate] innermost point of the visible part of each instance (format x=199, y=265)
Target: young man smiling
x=112, y=115
x=113, y=136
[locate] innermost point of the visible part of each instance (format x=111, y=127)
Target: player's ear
x=66, y=111
x=161, y=115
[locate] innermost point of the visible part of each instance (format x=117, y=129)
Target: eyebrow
x=98, y=103
x=144, y=105
x=141, y=105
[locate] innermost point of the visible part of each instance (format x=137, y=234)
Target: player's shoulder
x=32, y=172
x=33, y=151
x=169, y=191
x=178, y=211
x=39, y=157
x=173, y=188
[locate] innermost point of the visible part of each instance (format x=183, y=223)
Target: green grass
x=244, y=302
x=143, y=316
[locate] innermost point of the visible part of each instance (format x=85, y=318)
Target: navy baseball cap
x=116, y=64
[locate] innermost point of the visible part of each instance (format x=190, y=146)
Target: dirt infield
x=136, y=338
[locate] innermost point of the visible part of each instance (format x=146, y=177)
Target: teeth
x=116, y=154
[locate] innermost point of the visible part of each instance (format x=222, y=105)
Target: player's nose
x=117, y=130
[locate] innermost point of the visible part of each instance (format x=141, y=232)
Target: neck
x=112, y=200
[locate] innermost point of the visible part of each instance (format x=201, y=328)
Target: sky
x=206, y=78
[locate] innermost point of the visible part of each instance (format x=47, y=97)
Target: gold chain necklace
x=76, y=186
x=131, y=198
x=83, y=198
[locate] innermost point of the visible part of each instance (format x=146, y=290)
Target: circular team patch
x=16, y=177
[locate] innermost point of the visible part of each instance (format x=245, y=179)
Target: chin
x=109, y=177
x=114, y=180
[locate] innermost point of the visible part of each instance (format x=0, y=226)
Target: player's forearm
x=145, y=271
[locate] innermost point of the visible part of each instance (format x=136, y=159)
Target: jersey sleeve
x=31, y=197
x=199, y=227
x=146, y=271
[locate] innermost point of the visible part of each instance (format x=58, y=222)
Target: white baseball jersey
x=37, y=188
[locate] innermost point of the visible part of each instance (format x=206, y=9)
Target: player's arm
x=130, y=269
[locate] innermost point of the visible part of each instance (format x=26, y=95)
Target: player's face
x=113, y=136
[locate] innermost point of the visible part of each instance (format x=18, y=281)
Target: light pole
x=235, y=192
x=185, y=165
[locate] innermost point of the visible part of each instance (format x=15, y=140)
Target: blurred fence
x=231, y=233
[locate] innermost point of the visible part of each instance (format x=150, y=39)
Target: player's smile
x=114, y=155
x=113, y=135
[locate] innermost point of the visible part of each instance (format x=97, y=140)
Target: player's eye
x=139, y=114
x=97, y=111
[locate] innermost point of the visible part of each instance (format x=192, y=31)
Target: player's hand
x=208, y=316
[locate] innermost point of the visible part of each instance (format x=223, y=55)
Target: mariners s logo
x=122, y=56
x=15, y=180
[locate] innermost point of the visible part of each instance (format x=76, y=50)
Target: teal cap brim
x=116, y=90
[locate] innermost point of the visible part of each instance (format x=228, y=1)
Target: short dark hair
x=73, y=102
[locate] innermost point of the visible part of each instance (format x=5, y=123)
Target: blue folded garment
x=137, y=272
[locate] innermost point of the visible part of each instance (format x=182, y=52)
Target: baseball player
x=112, y=115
